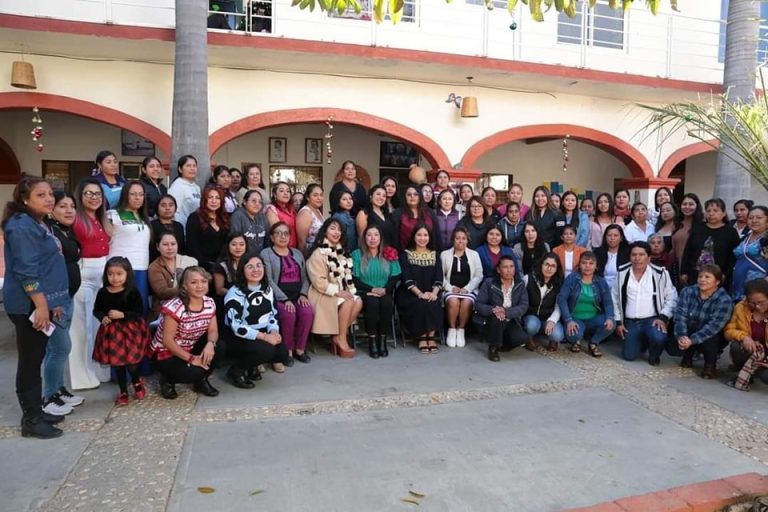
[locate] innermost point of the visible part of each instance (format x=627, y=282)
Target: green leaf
x=206, y=490
x=535, y=7
x=592, y=3
x=325, y=5
x=256, y=492
x=356, y=5
x=341, y=7
x=379, y=10
x=511, y=4
x=416, y=494
x=396, y=10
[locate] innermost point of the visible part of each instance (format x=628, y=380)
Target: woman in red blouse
x=281, y=210
x=90, y=230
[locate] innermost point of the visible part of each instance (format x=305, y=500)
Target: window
x=762, y=43
x=409, y=12
x=601, y=26
x=498, y=4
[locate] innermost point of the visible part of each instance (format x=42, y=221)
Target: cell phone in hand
x=48, y=330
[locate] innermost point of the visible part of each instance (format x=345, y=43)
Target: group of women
x=233, y=270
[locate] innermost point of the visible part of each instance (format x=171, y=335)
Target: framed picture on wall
x=313, y=151
x=397, y=155
x=135, y=145
x=130, y=170
x=278, y=149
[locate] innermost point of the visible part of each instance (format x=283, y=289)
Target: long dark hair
x=622, y=243
x=183, y=292
x=145, y=163
x=421, y=206
x=320, y=239
x=411, y=245
x=533, y=213
x=678, y=220
x=698, y=214
x=80, y=207
x=656, y=205
x=183, y=160
x=365, y=253
x=394, y=201
x=226, y=257
x=576, y=211
x=557, y=279
x=240, y=280
x=222, y=217
x=123, y=263
x=311, y=188
x=610, y=211
x=21, y=194
x=122, y=204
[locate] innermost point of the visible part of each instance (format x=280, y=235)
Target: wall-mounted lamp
x=469, y=103
x=23, y=75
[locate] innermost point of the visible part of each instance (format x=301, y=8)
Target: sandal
x=423, y=345
x=576, y=347
x=594, y=350
x=432, y=345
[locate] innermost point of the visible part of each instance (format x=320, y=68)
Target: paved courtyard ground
x=535, y=432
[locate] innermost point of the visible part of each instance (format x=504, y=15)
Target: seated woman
x=748, y=335
x=543, y=316
x=462, y=276
x=493, y=249
x=165, y=271
x=288, y=279
x=586, y=306
x=702, y=311
x=253, y=337
x=165, y=223
x=333, y=293
x=420, y=311
x=376, y=271
x=185, y=342
x=224, y=270
x=501, y=304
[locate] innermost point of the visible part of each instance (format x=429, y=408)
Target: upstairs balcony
x=681, y=46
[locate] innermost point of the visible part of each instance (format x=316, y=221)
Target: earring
x=25, y=203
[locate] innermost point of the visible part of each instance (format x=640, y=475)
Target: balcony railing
x=667, y=45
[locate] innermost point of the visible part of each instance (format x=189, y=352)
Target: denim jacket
x=569, y=295
x=33, y=264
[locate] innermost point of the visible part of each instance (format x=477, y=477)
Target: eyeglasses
x=282, y=233
x=91, y=195
x=550, y=265
x=757, y=304
x=254, y=266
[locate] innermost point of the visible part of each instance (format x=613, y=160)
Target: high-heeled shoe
x=373, y=347
x=338, y=350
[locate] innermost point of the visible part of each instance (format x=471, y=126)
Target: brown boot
x=709, y=372
x=687, y=361
x=531, y=345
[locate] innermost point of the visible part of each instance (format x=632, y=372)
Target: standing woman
x=208, y=228
x=604, y=217
x=249, y=221
x=640, y=228
x=343, y=213
x=692, y=214
x=35, y=280
x=281, y=210
x=109, y=178
x=569, y=208
x=710, y=242
x=375, y=272
x=310, y=217
x=556, y=200
x=349, y=183
x=612, y=253
x=223, y=179
x=418, y=300
x=588, y=207
x=428, y=195
x=475, y=222
x=90, y=230
x=287, y=276
x=442, y=181
x=131, y=234
x=670, y=220
x=465, y=194
x=462, y=276
x=253, y=182
x=447, y=216
x=531, y=249
x=376, y=214
x=493, y=249
x=237, y=182
x=547, y=220
x=414, y=213
x=333, y=292
x=165, y=223
x=57, y=397
x=740, y=220
x=184, y=189
x=751, y=262
x=663, y=195
x=621, y=205
x=393, y=198
x=152, y=180
x=489, y=202
x=515, y=194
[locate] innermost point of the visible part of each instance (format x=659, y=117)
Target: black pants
x=378, y=313
x=175, y=370
x=246, y=354
x=31, y=345
x=506, y=335
x=710, y=348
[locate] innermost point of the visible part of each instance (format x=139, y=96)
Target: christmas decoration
x=328, y=136
x=37, y=131
x=565, y=152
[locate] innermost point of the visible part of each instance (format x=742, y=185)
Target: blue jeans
x=641, y=334
x=57, y=353
x=593, y=327
x=534, y=326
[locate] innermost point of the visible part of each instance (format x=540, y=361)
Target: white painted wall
x=700, y=179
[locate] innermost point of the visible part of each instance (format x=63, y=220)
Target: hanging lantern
x=23, y=75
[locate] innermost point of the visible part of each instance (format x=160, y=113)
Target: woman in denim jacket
x=586, y=306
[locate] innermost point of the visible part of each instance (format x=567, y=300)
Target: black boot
x=167, y=389
x=238, y=379
x=373, y=348
x=204, y=388
x=381, y=344
x=32, y=423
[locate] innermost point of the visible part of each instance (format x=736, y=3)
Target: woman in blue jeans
x=586, y=306
x=57, y=398
x=543, y=317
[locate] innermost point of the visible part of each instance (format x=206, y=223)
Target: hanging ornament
x=565, y=152
x=39, y=148
x=37, y=131
x=328, y=136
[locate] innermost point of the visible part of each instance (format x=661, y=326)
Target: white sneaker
x=460, y=340
x=70, y=399
x=56, y=406
x=450, y=338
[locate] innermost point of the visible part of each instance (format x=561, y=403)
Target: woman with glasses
x=90, y=229
x=748, y=335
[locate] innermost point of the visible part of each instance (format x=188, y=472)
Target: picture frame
x=130, y=170
x=313, y=151
x=135, y=145
x=397, y=155
x=278, y=150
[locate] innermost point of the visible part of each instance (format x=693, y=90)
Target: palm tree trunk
x=731, y=182
x=190, y=86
